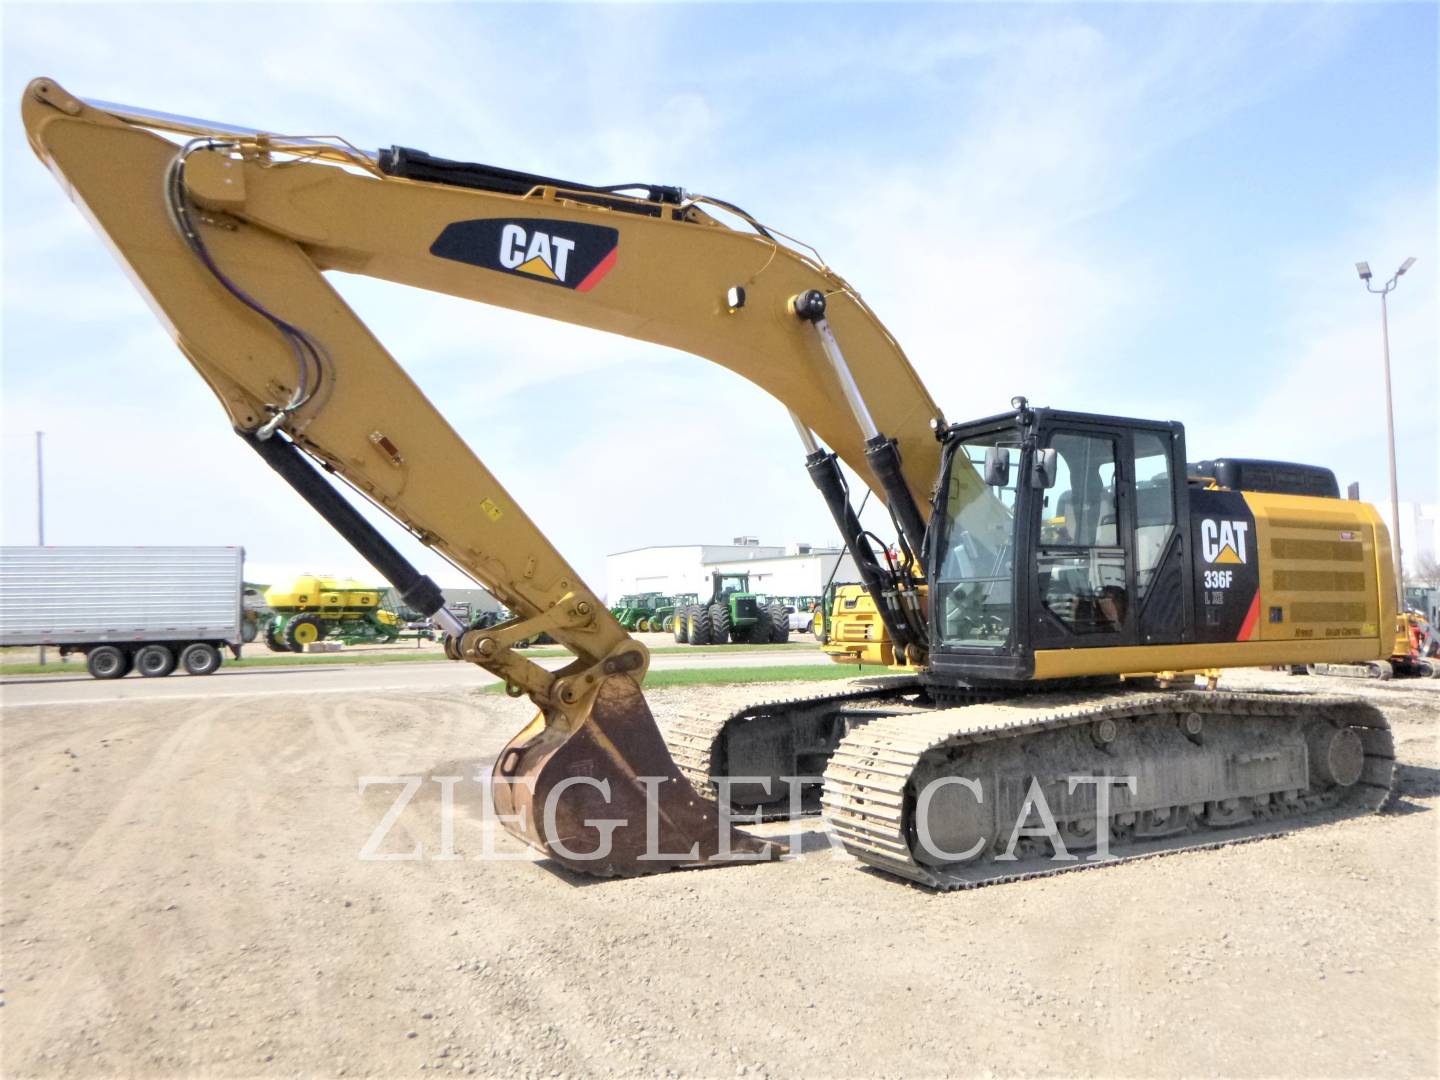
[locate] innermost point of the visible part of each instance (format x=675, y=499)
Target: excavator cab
x=1055, y=530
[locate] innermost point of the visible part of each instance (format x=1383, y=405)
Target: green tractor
x=667, y=611
x=638, y=611
x=732, y=614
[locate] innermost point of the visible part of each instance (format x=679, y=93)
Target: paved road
x=24, y=691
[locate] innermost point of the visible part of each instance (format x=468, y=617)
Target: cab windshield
x=974, y=601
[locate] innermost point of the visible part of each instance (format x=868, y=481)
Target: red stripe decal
x=1247, y=628
x=599, y=272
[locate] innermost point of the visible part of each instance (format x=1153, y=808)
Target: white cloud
x=968, y=173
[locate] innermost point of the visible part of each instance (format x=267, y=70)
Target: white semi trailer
x=148, y=609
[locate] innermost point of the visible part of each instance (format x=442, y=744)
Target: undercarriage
x=1020, y=784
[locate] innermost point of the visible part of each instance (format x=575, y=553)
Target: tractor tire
x=759, y=631
x=154, y=661
x=107, y=662
x=701, y=630
x=719, y=624
x=779, y=624
x=303, y=630
x=200, y=659
x=642, y=624
x=667, y=624
x=678, y=625
x=273, y=639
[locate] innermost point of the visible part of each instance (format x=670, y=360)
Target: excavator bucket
x=605, y=798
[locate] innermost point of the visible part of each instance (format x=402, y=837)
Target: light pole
x=1363, y=269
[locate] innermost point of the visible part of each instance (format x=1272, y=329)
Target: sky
x=1144, y=210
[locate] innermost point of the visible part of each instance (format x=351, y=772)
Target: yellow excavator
x=1055, y=580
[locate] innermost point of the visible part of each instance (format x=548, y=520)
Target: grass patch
x=778, y=673
x=788, y=647
x=76, y=665
x=42, y=669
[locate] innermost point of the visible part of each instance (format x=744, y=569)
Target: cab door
x=1160, y=503
x=1084, y=584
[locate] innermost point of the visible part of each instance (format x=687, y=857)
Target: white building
x=797, y=573
x=799, y=570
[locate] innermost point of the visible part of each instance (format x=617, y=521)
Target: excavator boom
x=229, y=232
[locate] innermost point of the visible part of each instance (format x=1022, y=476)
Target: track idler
x=603, y=796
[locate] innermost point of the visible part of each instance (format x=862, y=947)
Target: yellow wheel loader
x=1055, y=579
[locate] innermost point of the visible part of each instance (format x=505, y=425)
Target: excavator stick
x=605, y=798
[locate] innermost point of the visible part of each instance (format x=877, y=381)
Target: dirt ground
x=183, y=895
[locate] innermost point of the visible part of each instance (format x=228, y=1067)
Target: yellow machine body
x=327, y=595
x=1326, y=595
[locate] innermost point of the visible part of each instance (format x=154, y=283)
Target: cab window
x=974, y=585
x=1154, y=506
x=1080, y=561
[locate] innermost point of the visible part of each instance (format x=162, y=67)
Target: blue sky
x=1150, y=210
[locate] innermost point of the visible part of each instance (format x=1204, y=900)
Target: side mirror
x=1042, y=475
x=997, y=466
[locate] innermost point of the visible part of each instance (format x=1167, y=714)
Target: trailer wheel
x=107, y=662
x=200, y=659
x=154, y=661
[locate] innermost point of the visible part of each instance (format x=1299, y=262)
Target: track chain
x=697, y=740
x=865, y=798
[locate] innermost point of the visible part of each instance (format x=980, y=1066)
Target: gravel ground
x=183, y=895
